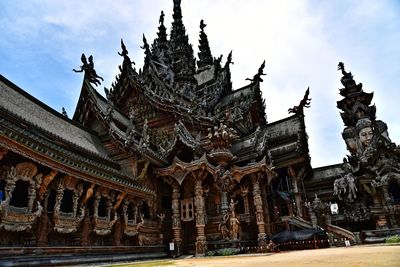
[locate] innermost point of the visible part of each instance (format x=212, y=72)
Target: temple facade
x=173, y=154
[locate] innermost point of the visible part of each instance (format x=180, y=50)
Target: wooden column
x=201, y=244
x=267, y=217
x=176, y=221
x=259, y=210
x=389, y=206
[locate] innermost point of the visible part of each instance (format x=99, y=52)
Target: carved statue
x=127, y=61
x=350, y=179
x=365, y=132
x=234, y=224
x=161, y=20
x=223, y=228
x=232, y=206
x=304, y=103
x=257, y=77
x=89, y=70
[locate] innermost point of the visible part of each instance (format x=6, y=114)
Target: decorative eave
x=182, y=134
x=180, y=169
x=262, y=166
x=285, y=142
x=48, y=153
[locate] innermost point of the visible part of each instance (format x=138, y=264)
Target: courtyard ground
x=357, y=256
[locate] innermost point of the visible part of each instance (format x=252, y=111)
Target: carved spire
x=182, y=52
x=205, y=57
x=162, y=31
x=356, y=103
x=147, y=53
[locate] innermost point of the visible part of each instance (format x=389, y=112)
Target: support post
x=176, y=222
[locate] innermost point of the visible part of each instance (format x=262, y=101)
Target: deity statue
x=232, y=206
x=234, y=223
x=365, y=131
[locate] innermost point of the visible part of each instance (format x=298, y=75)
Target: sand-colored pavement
x=358, y=256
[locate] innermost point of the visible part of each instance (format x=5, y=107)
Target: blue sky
x=301, y=41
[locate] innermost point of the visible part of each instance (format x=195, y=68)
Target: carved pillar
x=85, y=229
x=266, y=215
x=96, y=204
x=259, y=210
x=109, y=201
x=389, y=207
x=201, y=244
x=43, y=226
x=176, y=221
x=31, y=196
x=224, y=202
x=297, y=197
x=244, y=193
x=59, y=197
x=117, y=232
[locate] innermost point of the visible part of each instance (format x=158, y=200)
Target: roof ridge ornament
x=205, y=56
x=257, y=77
x=304, y=103
x=88, y=69
x=124, y=53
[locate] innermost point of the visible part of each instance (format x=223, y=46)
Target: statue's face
x=365, y=136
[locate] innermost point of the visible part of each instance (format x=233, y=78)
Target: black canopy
x=298, y=235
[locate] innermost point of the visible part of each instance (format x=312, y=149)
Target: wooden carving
x=20, y=218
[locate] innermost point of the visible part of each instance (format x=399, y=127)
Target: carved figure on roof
x=161, y=20
x=229, y=59
x=90, y=72
x=147, y=52
x=64, y=112
x=257, y=77
x=345, y=74
x=124, y=53
x=304, y=103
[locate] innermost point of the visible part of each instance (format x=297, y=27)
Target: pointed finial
x=229, y=59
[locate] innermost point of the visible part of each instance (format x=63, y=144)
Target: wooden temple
x=173, y=154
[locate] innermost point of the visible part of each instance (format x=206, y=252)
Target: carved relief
x=46, y=181
x=67, y=221
x=131, y=225
x=102, y=225
x=20, y=218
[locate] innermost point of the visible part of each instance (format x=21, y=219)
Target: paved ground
x=357, y=256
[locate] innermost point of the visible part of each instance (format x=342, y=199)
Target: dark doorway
x=189, y=237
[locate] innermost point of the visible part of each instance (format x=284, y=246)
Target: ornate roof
x=34, y=130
